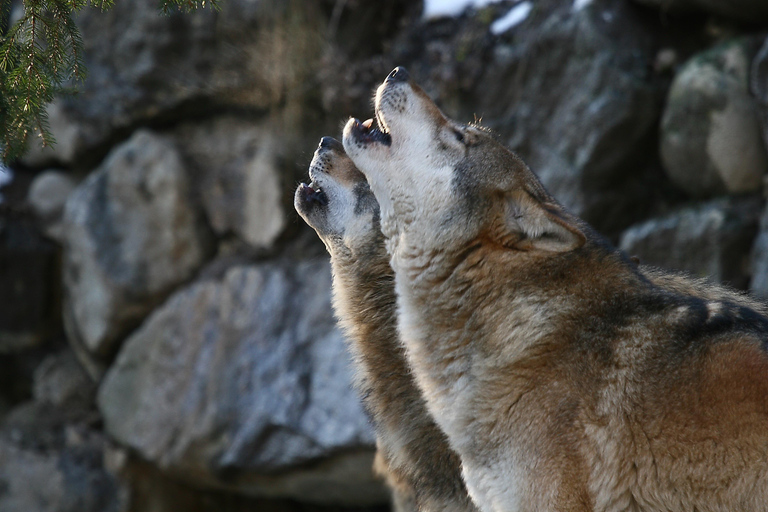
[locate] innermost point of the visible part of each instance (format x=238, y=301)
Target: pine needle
x=41, y=56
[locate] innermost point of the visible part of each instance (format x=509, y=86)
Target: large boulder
x=747, y=11
x=47, y=196
x=759, y=86
x=71, y=479
x=709, y=240
x=759, y=282
x=711, y=140
x=572, y=89
x=259, y=57
x=51, y=456
x=241, y=179
x=131, y=234
x=143, y=65
x=60, y=380
x=243, y=382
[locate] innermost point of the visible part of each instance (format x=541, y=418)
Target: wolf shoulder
x=693, y=323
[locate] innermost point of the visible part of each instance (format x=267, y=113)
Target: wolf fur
x=414, y=456
x=565, y=376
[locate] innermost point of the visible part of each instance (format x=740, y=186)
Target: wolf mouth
x=312, y=193
x=367, y=133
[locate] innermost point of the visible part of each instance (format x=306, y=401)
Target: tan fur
x=567, y=378
x=414, y=456
x=685, y=284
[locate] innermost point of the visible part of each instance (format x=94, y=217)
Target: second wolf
x=414, y=455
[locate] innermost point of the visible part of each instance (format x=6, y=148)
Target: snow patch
x=442, y=8
x=580, y=4
x=6, y=177
x=514, y=17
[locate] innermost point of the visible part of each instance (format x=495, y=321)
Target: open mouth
x=366, y=132
x=312, y=194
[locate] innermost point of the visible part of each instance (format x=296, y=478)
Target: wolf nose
x=399, y=74
x=330, y=143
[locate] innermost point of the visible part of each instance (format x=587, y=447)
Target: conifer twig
x=39, y=55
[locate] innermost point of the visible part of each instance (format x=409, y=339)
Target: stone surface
x=759, y=283
x=574, y=93
x=68, y=481
x=47, y=196
x=236, y=380
x=708, y=240
x=70, y=137
x=51, y=459
x=131, y=235
x=240, y=177
x=711, y=141
x=143, y=65
x=748, y=11
x=61, y=381
x=759, y=86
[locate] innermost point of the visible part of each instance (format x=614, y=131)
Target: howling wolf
x=413, y=455
x=564, y=376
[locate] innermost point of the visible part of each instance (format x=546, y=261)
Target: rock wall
x=166, y=336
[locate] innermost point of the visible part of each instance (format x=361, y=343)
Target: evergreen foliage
x=41, y=55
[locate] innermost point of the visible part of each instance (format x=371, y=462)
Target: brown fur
x=566, y=377
x=414, y=456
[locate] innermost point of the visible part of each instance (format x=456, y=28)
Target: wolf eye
x=459, y=135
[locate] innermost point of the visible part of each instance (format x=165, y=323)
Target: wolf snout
x=330, y=144
x=399, y=74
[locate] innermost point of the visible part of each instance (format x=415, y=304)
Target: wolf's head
x=338, y=203
x=449, y=182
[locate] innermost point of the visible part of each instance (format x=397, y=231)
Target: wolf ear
x=540, y=226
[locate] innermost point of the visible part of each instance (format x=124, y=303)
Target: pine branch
x=169, y=6
x=40, y=55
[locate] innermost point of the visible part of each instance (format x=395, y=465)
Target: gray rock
x=47, y=195
x=759, y=86
x=61, y=381
x=749, y=11
x=131, y=235
x=235, y=381
x=710, y=133
x=572, y=92
x=70, y=137
x=759, y=283
x=240, y=181
x=710, y=240
x=68, y=481
x=143, y=65
x=52, y=460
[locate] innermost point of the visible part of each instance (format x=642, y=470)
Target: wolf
x=413, y=454
x=564, y=377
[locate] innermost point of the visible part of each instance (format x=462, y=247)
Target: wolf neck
x=463, y=312
x=413, y=447
x=364, y=301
